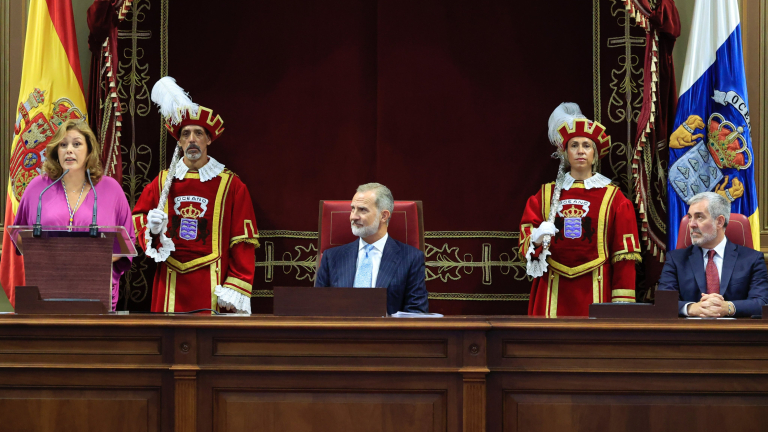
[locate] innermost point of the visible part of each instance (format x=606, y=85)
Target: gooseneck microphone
x=93, y=230
x=37, y=228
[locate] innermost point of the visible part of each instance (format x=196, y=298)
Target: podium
x=67, y=270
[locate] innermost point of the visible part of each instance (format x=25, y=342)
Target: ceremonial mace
x=553, y=208
x=169, y=178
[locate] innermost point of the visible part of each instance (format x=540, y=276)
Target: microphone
x=93, y=230
x=37, y=228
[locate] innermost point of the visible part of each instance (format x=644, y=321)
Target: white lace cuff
x=166, y=246
x=229, y=298
x=537, y=266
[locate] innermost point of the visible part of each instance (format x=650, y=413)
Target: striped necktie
x=364, y=275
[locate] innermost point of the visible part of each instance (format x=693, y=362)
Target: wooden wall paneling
x=474, y=370
x=626, y=346
x=372, y=374
x=332, y=401
x=348, y=349
x=574, y=401
x=66, y=345
x=39, y=398
x=185, y=370
x=627, y=375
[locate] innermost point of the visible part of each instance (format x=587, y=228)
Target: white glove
x=546, y=228
x=156, y=221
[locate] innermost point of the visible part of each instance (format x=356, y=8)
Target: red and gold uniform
x=593, y=255
x=213, y=229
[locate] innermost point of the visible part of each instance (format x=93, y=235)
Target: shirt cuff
x=685, y=308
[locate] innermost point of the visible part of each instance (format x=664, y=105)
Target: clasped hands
x=710, y=306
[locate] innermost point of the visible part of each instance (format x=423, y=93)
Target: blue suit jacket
x=401, y=271
x=743, y=281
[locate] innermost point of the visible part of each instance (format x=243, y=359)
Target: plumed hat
x=567, y=122
x=178, y=109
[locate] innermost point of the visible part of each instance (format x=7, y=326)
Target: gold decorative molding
x=438, y=296
x=597, y=104
x=13, y=21
x=6, y=116
x=754, y=22
x=163, y=72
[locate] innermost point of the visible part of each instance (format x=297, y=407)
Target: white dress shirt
x=375, y=254
x=718, y=258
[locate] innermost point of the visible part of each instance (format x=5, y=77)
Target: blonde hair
x=52, y=166
x=595, y=159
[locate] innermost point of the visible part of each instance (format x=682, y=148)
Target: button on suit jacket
x=743, y=280
x=401, y=271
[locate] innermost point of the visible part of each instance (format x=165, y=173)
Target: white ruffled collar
x=597, y=181
x=209, y=171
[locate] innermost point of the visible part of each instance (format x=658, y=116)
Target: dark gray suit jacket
x=401, y=271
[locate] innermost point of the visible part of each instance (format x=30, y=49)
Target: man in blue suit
x=376, y=259
x=715, y=278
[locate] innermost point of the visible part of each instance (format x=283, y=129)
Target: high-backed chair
x=738, y=231
x=406, y=225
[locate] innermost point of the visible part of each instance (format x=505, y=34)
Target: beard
x=193, y=156
x=367, y=230
x=705, y=238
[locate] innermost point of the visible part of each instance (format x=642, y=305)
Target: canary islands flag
x=711, y=148
x=51, y=93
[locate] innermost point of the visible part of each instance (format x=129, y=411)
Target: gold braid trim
x=471, y=234
x=288, y=234
x=427, y=234
x=441, y=296
x=478, y=297
x=631, y=256
x=252, y=241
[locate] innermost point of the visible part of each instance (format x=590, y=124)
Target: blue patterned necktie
x=364, y=275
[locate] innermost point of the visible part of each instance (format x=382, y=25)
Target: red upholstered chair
x=738, y=231
x=406, y=225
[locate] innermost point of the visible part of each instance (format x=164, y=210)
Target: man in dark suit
x=376, y=259
x=715, y=278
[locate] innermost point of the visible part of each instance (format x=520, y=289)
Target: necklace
x=77, y=204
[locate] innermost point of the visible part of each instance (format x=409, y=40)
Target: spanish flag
x=51, y=93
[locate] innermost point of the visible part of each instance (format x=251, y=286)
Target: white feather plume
x=172, y=100
x=566, y=112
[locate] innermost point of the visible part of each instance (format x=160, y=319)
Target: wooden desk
x=157, y=373
x=627, y=375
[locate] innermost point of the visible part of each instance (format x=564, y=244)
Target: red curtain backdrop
x=443, y=101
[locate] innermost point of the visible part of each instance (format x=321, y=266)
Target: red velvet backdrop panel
x=446, y=102
x=465, y=91
x=295, y=83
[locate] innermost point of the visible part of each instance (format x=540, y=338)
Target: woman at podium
x=72, y=165
x=579, y=233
